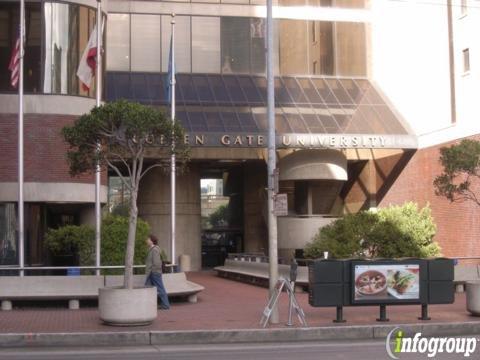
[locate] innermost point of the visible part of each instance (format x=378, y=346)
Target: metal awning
x=344, y=109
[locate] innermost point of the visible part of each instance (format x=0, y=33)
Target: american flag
x=14, y=66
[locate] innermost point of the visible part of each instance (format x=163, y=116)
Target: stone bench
x=176, y=284
x=254, y=270
x=464, y=273
x=71, y=288
x=76, y=288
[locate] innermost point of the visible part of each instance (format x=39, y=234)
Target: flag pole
x=21, y=237
x=271, y=165
x=172, y=160
x=98, y=71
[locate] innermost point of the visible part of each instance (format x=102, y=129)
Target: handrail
x=17, y=268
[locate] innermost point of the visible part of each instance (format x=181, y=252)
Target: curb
x=145, y=338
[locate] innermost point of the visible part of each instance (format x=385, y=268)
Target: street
x=364, y=350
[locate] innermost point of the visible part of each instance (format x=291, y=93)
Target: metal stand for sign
x=283, y=283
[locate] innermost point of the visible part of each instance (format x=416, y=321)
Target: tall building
x=366, y=92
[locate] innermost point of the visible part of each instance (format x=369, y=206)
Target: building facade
x=362, y=106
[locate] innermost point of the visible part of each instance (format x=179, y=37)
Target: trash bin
x=185, y=263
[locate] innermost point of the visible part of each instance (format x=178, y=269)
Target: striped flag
x=88, y=62
x=14, y=65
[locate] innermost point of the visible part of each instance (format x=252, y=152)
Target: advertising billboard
x=385, y=283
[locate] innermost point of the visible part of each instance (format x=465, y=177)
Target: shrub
x=344, y=237
x=219, y=217
x=392, y=232
x=80, y=240
x=71, y=239
x=114, y=241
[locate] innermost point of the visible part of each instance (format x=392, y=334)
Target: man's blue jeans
x=155, y=279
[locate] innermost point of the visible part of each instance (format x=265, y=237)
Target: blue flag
x=171, y=73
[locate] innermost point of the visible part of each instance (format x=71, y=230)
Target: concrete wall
x=296, y=232
x=255, y=228
x=154, y=207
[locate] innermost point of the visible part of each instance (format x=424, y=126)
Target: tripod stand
x=292, y=303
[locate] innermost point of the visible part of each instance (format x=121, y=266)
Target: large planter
x=127, y=307
x=473, y=297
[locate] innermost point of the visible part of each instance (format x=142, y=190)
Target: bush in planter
x=395, y=231
x=80, y=240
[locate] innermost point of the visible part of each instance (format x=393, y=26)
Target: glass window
x=350, y=49
x=9, y=20
x=258, y=46
x=293, y=47
x=8, y=237
x=145, y=43
x=235, y=45
x=61, y=48
x=219, y=89
x=118, y=42
x=205, y=44
x=321, y=48
x=118, y=194
x=182, y=43
x=203, y=88
x=352, y=4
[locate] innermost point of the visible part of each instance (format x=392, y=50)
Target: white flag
x=88, y=62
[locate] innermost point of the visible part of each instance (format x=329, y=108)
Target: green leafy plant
x=391, y=232
x=114, y=241
x=461, y=172
x=72, y=239
x=80, y=240
x=117, y=135
x=219, y=217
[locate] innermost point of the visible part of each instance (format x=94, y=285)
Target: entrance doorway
x=222, y=215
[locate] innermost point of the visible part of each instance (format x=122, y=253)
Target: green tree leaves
x=460, y=172
x=395, y=231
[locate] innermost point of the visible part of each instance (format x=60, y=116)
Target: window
x=206, y=44
x=8, y=234
x=466, y=60
x=118, y=194
x=9, y=20
x=61, y=48
x=235, y=32
x=182, y=43
x=118, y=40
x=145, y=43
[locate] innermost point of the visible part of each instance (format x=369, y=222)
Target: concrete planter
x=127, y=307
x=473, y=297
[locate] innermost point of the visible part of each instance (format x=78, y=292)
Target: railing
x=89, y=269
x=18, y=268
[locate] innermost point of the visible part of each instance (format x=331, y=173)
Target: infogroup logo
x=397, y=343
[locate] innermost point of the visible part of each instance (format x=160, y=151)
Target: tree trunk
x=132, y=230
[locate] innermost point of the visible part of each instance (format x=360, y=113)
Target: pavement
x=227, y=311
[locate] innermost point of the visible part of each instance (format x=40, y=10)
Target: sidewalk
x=230, y=309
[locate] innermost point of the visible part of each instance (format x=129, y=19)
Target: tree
x=461, y=172
x=116, y=135
x=219, y=217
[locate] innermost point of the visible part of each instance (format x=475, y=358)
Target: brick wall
x=44, y=149
x=458, y=224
